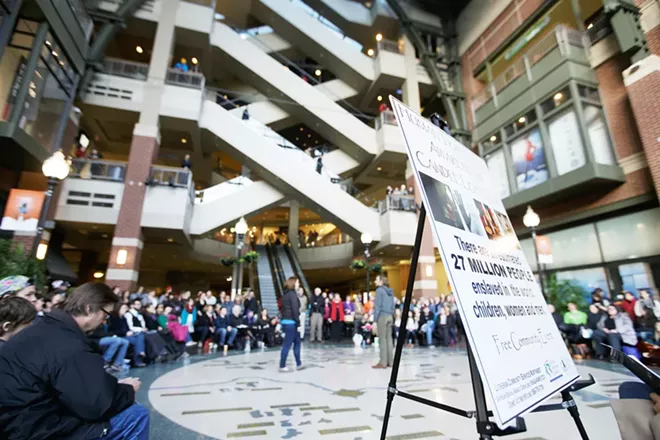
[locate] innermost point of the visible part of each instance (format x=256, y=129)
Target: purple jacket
x=349, y=307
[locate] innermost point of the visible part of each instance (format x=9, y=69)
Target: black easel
x=485, y=428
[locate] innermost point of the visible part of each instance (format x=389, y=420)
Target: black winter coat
x=53, y=386
x=291, y=306
x=317, y=304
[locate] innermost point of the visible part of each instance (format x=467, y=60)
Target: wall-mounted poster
x=497, y=168
x=566, y=143
x=599, y=135
x=529, y=160
x=22, y=210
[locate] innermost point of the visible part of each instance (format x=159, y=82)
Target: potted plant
x=376, y=267
x=358, y=264
x=251, y=257
x=15, y=261
x=227, y=261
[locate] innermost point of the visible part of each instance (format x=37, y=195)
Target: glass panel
x=528, y=250
x=492, y=141
x=636, y=277
x=630, y=236
x=574, y=247
x=529, y=160
x=556, y=100
x=588, y=279
x=44, y=107
x=599, y=136
x=497, y=166
x=12, y=74
x=566, y=142
x=589, y=92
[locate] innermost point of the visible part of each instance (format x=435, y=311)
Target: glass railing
x=95, y=169
x=223, y=189
x=194, y=80
x=397, y=202
x=312, y=241
x=84, y=20
x=567, y=40
x=327, y=23
x=389, y=46
x=127, y=69
x=386, y=118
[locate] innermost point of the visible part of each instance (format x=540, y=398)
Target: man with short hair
x=384, y=316
x=317, y=308
x=52, y=382
x=15, y=314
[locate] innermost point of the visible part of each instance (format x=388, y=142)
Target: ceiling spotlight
x=558, y=96
x=379, y=37
x=184, y=140
x=379, y=98
x=309, y=135
x=194, y=60
x=54, y=54
x=493, y=138
x=139, y=49
x=590, y=26
x=370, y=52
x=297, y=138
x=302, y=129
x=98, y=274
x=317, y=72
x=170, y=240
x=379, y=168
x=522, y=120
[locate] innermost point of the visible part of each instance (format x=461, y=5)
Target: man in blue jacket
x=384, y=317
x=52, y=381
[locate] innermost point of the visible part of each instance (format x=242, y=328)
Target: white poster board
x=521, y=357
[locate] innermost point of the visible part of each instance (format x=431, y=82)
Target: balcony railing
x=194, y=80
x=127, y=69
x=84, y=20
x=174, y=177
x=389, y=46
x=397, y=202
x=98, y=169
x=385, y=118
x=567, y=40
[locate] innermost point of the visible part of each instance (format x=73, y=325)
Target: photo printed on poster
x=519, y=352
x=529, y=160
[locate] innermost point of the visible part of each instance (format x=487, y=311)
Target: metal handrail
x=96, y=169
x=84, y=20
x=174, y=177
x=127, y=69
x=386, y=117
x=193, y=80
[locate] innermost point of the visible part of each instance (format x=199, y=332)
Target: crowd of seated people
x=628, y=324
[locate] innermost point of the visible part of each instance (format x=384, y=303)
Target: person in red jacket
x=628, y=305
x=336, y=318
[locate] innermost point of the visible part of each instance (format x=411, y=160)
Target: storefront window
x=497, y=166
x=529, y=160
x=556, y=100
x=574, y=247
x=630, y=236
x=590, y=93
x=598, y=135
x=566, y=142
x=636, y=277
x=588, y=279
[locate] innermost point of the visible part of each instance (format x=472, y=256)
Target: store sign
x=519, y=352
x=22, y=210
x=544, y=249
x=566, y=142
x=529, y=36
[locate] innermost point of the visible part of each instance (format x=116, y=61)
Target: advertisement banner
x=22, y=210
x=544, y=249
x=529, y=160
x=566, y=143
x=519, y=352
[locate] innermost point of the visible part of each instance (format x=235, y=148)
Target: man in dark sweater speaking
x=52, y=382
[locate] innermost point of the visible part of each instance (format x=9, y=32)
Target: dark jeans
x=204, y=333
x=335, y=329
x=612, y=339
x=291, y=337
x=137, y=341
x=130, y=424
x=222, y=336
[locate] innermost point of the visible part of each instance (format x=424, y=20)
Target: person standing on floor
x=316, y=319
x=290, y=322
x=383, y=315
x=336, y=318
x=303, y=311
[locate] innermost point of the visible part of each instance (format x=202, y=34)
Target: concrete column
x=294, y=224
x=128, y=240
x=425, y=280
x=642, y=80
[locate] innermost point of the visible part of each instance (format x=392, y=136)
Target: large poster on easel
x=520, y=354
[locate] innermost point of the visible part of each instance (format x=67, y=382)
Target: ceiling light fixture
x=379, y=168
x=590, y=26
x=139, y=49
x=558, y=96
x=522, y=120
x=194, y=60
x=493, y=138
x=302, y=129
x=98, y=274
x=317, y=72
x=184, y=140
x=379, y=98
x=379, y=37
x=370, y=52
x=170, y=240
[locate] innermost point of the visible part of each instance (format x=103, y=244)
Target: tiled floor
x=339, y=396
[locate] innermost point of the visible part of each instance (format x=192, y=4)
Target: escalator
x=269, y=285
x=297, y=269
x=290, y=171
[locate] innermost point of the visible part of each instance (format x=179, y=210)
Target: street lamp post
x=240, y=229
x=532, y=220
x=366, y=240
x=55, y=168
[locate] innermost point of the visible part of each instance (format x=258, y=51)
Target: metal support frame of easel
x=485, y=427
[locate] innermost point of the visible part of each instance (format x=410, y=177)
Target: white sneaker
x=285, y=370
x=300, y=367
